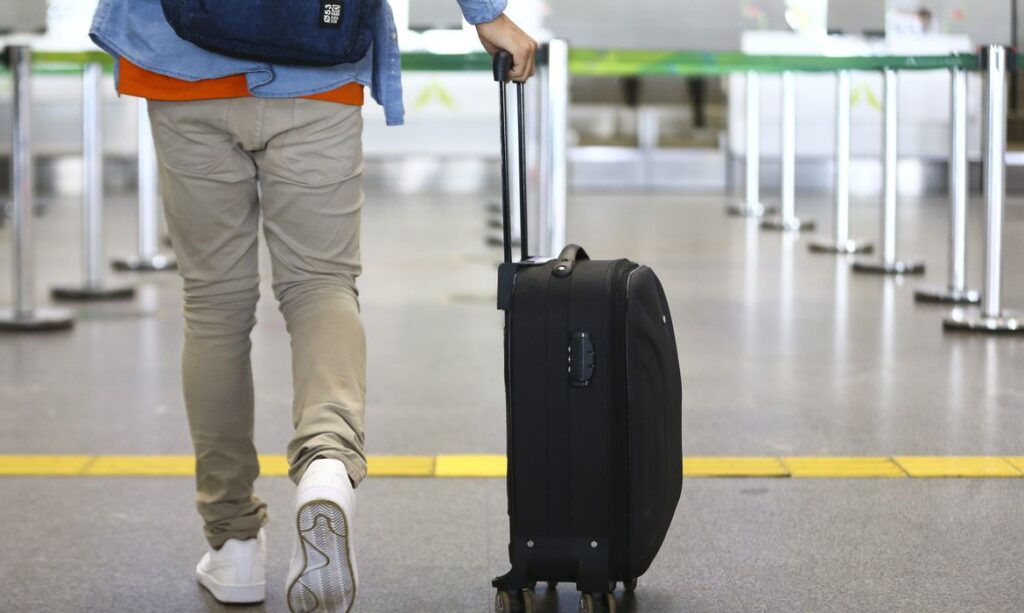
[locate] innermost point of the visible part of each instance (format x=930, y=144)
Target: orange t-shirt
x=139, y=82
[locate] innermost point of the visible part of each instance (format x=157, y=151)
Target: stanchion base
x=947, y=295
x=745, y=209
x=848, y=247
x=92, y=293
x=792, y=224
x=156, y=263
x=890, y=268
x=1009, y=322
x=40, y=320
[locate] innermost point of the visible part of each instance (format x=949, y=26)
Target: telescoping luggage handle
x=502, y=69
x=507, y=271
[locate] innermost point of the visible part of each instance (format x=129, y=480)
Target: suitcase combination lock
x=581, y=359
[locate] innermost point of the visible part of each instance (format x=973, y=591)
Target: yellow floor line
x=401, y=466
x=273, y=466
x=43, y=465
x=470, y=466
x=494, y=466
x=733, y=467
x=846, y=468
x=1017, y=462
x=140, y=466
x=950, y=466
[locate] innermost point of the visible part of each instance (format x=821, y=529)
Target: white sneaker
x=322, y=577
x=236, y=573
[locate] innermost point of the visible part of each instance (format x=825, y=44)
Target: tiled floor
x=783, y=353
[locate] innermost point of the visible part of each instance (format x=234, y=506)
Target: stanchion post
x=841, y=241
x=555, y=138
x=149, y=259
x=787, y=220
x=956, y=291
x=93, y=287
x=514, y=163
x=24, y=316
x=889, y=264
x=992, y=316
x=544, y=162
x=751, y=205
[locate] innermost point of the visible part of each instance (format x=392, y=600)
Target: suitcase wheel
x=588, y=602
x=512, y=602
x=502, y=602
x=628, y=585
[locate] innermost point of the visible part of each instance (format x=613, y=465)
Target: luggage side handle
x=567, y=260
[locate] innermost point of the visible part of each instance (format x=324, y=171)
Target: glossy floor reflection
x=784, y=353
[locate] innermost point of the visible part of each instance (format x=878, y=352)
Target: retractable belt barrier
x=994, y=61
x=557, y=62
x=992, y=318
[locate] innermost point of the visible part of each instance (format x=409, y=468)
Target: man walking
x=239, y=141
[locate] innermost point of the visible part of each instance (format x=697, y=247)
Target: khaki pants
x=298, y=164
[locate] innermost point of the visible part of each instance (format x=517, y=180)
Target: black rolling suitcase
x=593, y=397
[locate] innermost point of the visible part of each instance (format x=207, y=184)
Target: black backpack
x=297, y=32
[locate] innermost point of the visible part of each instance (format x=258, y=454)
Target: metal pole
x=956, y=291
x=524, y=189
x=93, y=287
x=148, y=259
x=24, y=316
x=1014, y=44
x=515, y=162
x=890, y=136
x=558, y=130
x=541, y=231
x=889, y=264
x=841, y=241
x=751, y=205
x=995, y=180
x=92, y=185
x=992, y=316
x=149, y=198
x=787, y=220
x=842, y=221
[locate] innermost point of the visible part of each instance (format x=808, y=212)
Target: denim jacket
x=138, y=31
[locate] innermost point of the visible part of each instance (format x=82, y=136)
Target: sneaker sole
x=326, y=583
